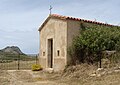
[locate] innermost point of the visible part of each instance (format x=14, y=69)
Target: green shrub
x=36, y=67
x=91, y=42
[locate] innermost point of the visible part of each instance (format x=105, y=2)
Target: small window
x=43, y=53
x=58, y=53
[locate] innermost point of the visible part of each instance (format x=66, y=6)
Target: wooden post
x=100, y=64
x=18, y=61
x=36, y=59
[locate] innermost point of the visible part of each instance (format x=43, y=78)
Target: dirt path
x=25, y=77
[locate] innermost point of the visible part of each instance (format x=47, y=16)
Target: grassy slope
x=80, y=75
x=8, y=56
x=109, y=79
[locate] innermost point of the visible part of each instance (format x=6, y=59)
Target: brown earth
x=74, y=75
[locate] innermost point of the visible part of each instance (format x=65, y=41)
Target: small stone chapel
x=56, y=35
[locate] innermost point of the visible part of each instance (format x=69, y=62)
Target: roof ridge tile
x=79, y=19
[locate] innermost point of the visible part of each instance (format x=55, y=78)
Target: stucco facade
x=56, y=35
x=56, y=30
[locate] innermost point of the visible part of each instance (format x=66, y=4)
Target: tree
x=92, y=41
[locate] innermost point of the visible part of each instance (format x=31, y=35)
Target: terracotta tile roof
x=72, y=18
x=78, y=19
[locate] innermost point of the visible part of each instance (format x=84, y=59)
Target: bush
x=91, y=42
x=36, y=67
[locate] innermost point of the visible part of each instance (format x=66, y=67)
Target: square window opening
x=43, y=53
x=58, y=53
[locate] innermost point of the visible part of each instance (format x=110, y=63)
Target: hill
x=12, y=50
x=12, y=53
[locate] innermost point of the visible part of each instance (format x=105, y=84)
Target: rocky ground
x=73, y=75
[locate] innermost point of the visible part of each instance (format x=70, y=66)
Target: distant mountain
x=10, y=53
x=11, y=50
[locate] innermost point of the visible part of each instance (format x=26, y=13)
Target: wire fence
x=17, y=62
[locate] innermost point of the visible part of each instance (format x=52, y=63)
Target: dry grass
x=14, y=65
x=73, y=75
x=81, y=75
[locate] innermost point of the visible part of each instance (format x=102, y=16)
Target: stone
x=99, y=69
x=49, y=70
x=93, y=75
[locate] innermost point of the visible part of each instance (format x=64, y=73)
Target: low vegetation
x=90, y=44
x=36, y=67
x=7, y=58
x=23, y=65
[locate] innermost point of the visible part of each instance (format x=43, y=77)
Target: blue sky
x=20, y=19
